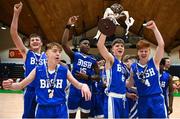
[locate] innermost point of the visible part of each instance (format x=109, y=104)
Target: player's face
x=144, y=53
x=118, y=49
x=54, y=54
x=35, y=43
x=167, y=63
x=129, y=63
x=84, y=46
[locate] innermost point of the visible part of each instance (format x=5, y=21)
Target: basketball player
x=132, y=102
x=50, y=81
x=97, y=99
x=167, y=86
x=85, y=69
x=145, y=75
x=167, y=63
x=32, y=57
x=115, y=103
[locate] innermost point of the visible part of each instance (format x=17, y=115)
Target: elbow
x=13, y=31
x=98, y=45
x=162, y=44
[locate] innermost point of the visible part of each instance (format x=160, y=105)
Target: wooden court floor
x=11, y=106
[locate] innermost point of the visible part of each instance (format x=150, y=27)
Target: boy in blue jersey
x=50, y=81
x=115, y=102
x=32, y=57
x=145, y=75
x=85, y=69
x=167, y=86
x=132, y=102
x=97, y=99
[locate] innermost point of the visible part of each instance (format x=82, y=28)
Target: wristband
x=68, y=26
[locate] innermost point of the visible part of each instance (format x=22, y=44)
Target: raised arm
x=9, y=85
x=83, y=87
x=103, y=50
x=159, y=53
x=14, y=30
x=66, y=36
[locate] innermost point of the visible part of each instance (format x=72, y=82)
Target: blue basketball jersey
x=97, y=86
x=97, y=99
x=42, y=86
x=83, y=63
x=33, y=60
x=116, y=80
x=147, y=82
x=164, y=80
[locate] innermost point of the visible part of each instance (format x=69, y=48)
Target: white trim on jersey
x=37, y=106
x=166, y=115
x=110, y=107
x=133, y=110
x=99, y=116
x=73, y=111
x=84, y=110
x=116, y=95
x=134, y=107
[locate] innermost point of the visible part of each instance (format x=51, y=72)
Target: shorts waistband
x=116, y=95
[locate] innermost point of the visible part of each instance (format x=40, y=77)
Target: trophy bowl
x=106, y=26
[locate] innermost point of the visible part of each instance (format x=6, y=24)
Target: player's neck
x=51, y=66
x=37, y=50
x=143, y=62
x=119, y=58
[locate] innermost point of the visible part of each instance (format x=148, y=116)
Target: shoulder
x=62, y=68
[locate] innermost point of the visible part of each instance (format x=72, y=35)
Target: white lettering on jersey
x=44, y=83
x=83, y=63
x=149, y=72
x=33, y=60
x=119, y=69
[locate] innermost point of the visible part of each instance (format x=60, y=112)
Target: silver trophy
x=107, y=25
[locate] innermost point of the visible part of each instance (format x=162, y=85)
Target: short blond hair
x=52, y=44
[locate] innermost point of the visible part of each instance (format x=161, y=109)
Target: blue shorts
x=75, y=101
x=53, y=111
x=132, y=107
x=29, y=102
x=152, y=106
x=115, y=107
x=97, y=106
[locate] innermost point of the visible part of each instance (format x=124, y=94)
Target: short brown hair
x=127, y=57
x=142, y=44
x=117, y=40
x=51, y=45
x=34, y=35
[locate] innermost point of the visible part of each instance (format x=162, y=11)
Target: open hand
x=85, y=91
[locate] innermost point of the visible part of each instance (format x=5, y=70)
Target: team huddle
x=110, y=86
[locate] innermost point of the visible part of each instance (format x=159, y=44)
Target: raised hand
x=18, y=7
x=72, y=20
x=7, y=84
x=151, y=25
